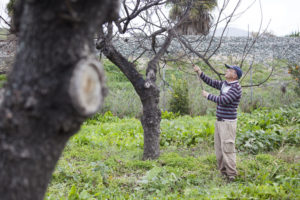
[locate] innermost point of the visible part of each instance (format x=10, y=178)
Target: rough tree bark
x=151, y=122
x=49, y=91
x=149, y=95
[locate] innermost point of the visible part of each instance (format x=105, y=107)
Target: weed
x=104, y=161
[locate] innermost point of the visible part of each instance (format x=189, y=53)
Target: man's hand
x=197, y=69
x=205, y=94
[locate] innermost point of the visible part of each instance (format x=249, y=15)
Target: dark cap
x=237, y=69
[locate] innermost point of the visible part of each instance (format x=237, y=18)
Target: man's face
x=230, y=74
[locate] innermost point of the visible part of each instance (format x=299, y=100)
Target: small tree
x=179, y=102
x=10, y=7
x=155, y=31
x=199, y=18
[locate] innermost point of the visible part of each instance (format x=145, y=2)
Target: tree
x=10, y=7
x=152, y=30
x=55, y=84
x=155, y=26
x=199, y=18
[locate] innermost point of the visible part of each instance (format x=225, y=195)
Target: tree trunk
x=149, y=95
x=151, y=123
x=145, y=88
x=38, y=112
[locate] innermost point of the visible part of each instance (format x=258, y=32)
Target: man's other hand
x=205, y=94
x=197, y=69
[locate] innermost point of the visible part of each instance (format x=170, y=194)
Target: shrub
x=248, y=106
x=2, y=80
x=294, y=70
x=102, y=118
x=294, y=34
x=186, y=131
x=10, y=7
x=179, y=102
x=169, y=115
x=267, y=130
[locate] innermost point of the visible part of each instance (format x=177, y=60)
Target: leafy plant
x=169, y=115
x=73, y=195
x=10, y=7
x=104, y=161
x=102, y=118
x=179, y=102
x=263, y=130
x=2, y=79
x=294, y=70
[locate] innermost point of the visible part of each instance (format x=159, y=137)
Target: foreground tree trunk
x=55, y=84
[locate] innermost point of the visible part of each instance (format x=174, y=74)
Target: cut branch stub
x=147, y=84
x=87, y=87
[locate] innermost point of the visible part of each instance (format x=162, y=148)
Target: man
x=225, y=127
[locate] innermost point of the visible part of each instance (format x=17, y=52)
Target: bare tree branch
x=6, y=22
x=221, y=37
x=188, y=46
x=262, y=82
x=136, y=12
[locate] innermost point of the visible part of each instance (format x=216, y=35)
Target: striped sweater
x=229, y=99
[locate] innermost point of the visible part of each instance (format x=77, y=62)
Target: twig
x=6, y=22
x=259, y=84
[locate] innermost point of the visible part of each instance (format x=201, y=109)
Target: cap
x=237, y=69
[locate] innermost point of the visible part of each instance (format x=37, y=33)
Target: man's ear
x=235, y=75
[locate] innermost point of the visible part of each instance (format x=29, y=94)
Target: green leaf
x=73, y=195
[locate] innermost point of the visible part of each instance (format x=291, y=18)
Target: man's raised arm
x=213, y=83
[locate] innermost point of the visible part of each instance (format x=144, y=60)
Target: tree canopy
x=199, y=18
x=10, y=7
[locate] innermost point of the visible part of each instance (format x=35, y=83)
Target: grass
x=2, y=79
x=99, y=173
x=104, y=161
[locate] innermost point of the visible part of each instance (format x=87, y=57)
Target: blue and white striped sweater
x=229, y=99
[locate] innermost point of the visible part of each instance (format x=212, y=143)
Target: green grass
x=113, y=173
x=2, y=79
x=104, y=161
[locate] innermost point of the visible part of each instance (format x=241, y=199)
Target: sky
x=280, y=17
x=283, y=16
